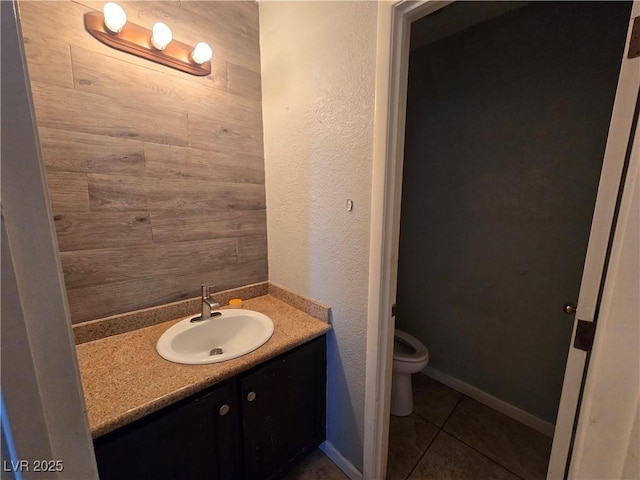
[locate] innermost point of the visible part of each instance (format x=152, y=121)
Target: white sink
x=232, y=334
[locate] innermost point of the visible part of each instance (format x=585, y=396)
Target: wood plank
x=165, y=160
x=97, y=301
x=208, y=134
x=85, y=231
x=244, y=81
x=68, y=151
x=170, y=193
x=238, y=20
x=247, y=13
x=110, y=265
x=116, y=79
x=119, y=192
x=48, y=61
x=179, y=226
x=252, y=248
x=68, y=192
x=237, y=29
x=66, y=109
x=59, y=20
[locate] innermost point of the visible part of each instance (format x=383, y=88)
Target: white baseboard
x=336, y=457
x=483, y=397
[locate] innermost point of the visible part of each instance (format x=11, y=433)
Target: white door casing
x=612, y=387
x=392, y=68
x=41, y=385
x=601, y=231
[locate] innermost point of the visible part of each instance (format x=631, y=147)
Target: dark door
x=283, y=408
x=198, y=438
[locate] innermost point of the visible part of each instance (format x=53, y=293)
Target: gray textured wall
x=506, y=129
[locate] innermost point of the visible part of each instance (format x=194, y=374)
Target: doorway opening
x=506, y=129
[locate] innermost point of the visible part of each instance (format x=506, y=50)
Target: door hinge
x=585, y=333
x=393, y=310
x=634, y=41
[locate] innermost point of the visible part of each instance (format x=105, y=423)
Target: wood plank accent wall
x=156, y=177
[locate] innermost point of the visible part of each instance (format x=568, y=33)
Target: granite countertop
x=125, y=379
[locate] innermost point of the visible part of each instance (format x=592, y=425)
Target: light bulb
x=202, y=53
x=114, y=17
x=161, y=36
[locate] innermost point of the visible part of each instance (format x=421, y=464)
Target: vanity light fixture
x=111, y=27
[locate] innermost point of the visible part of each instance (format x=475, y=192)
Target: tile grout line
x=423, y=453
x=454, y=436
x=484, y=455
x=462, y=395
x=453, y=409
x=440, y=429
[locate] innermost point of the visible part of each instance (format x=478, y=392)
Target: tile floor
x=315, y=466
x=449, y=436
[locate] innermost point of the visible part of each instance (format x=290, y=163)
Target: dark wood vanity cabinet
x=283, y=409
x=249, y=427
x=195, y=438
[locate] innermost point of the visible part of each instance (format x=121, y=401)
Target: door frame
x=609, y=414
x=610, y=191
x=392, y=65
x=392, y=68
x=42, y=390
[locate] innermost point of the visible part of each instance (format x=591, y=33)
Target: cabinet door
x=283, y=409
x=193, y=439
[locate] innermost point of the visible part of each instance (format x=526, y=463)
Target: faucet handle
x=206, y=290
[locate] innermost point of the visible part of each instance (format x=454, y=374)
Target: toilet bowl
x=409, y=356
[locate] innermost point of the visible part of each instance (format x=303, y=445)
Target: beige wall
x=156, y=177
x=318, y=80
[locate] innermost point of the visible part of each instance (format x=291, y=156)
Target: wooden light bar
x=136, y=40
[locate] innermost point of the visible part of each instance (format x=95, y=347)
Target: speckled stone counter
x=124, y=378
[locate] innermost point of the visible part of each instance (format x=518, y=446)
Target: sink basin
x=232, y=334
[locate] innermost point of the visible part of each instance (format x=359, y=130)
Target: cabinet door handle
x=251, y=396
x=224, y=409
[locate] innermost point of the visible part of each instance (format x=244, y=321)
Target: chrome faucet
x=208, y=305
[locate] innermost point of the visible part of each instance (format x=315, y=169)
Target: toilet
x=409, y=356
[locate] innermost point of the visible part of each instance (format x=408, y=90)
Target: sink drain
x=215, y=351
